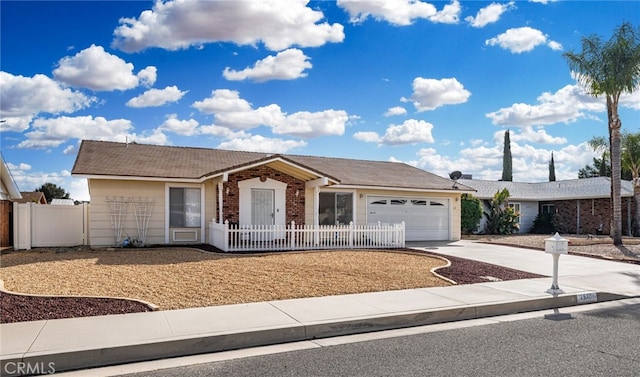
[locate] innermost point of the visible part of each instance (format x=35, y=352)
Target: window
x=184, y=207
x=419, y=202
x=548, y=208
x=516, y=209
x=335, y=208
x=398, y=202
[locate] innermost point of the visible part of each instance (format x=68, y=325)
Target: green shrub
x=545, y=223
x=471, y=215
x=501, y=218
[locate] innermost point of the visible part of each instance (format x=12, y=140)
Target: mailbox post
x=556, y=246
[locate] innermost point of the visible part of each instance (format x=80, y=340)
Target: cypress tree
x=552, y=170
x=507, y=170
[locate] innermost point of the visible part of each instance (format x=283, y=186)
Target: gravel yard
x=174, y=278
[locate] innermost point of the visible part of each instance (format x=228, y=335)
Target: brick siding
x=295, y=205
x=593, y=212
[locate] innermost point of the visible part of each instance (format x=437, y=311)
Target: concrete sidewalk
x=67, y=344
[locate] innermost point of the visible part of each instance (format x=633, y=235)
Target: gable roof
x=586, y=188
x=32, y=197
x=102, y=159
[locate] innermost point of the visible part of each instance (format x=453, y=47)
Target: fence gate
x=45, y=225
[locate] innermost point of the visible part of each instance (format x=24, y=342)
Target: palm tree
x=610, y=68
x=631, y=161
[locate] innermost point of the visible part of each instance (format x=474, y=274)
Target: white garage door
x=426, y=219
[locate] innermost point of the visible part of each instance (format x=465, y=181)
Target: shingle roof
x=102, y=158
x=31, y=197
x=588, y=188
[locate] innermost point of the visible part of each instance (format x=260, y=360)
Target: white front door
x=262, y=208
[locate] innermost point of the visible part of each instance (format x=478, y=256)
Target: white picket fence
x=232, y=237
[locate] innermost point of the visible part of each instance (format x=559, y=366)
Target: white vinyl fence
x=230, y=238
x=45, y=225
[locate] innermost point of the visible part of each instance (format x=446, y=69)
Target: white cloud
x=522, y=39
x=28, y=180
x=96, y=69
x=530, y=164
x=396, y=110
x=555, y=46
x=400, y=13
x=412, y=131
x=450, y=14
x=21, y=166
x=489, y=14
x=223, y=132
x=429, y=94
x=564, y=106
x=157, y=97
x=631, y=101
x=174, y=25
x=180, y=127
x=540, y=136
x=367, y=136
x=238, y=114
x=22, y=98
x=78, y=188
x=50, y=133
x=69, y=149
x=155, y=136
x=286, y=65
x=148, y=76
x=308, y=125
x=257, y=143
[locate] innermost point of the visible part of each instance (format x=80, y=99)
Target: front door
x=262, y=208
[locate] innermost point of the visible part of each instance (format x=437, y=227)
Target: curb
x=216, y=342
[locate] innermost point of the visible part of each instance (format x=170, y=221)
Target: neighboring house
x=183, y=189
x=8, y=193
x=62, y=202
x=581, y=206
x=32, y=197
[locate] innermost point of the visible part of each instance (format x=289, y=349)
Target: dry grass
x=185, y=278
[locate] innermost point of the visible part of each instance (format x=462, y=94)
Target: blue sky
x=432, y=84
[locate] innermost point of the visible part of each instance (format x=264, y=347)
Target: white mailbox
x=556, y=245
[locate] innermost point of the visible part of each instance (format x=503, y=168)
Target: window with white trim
x=184, y=207
x=335, y=208
x=516, y=209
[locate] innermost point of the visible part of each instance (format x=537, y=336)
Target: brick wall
x=593, y=212
x=295, y=205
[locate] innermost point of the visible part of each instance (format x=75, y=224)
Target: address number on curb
x=587, y=297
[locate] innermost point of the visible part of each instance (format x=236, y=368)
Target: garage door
x=426, y=219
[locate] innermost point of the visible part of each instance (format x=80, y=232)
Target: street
x=601, y=342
